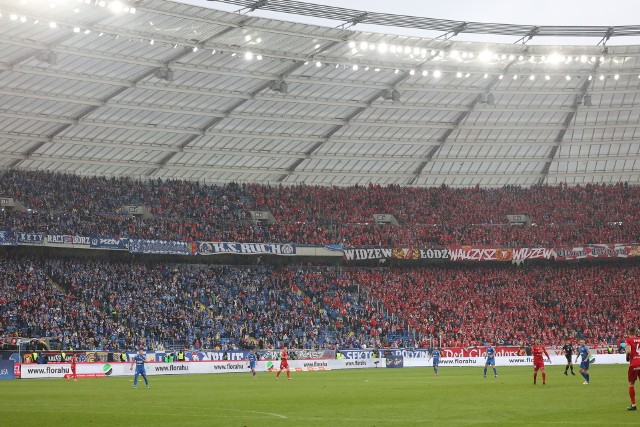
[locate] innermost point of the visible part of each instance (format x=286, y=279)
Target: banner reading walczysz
x=481, y=253
x=216, y=248
x=163, y=247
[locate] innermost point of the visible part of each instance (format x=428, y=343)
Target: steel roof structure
x=158, y=89
x=447, y=26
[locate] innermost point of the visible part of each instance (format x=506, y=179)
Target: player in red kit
x=538, y=362
x=633, y=357
x=73, y=368
x=284, y=364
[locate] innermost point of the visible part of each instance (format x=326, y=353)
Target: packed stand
x=31, y=305
x=205, y=307
x=468, y=306
x=113, y=305
x=189, y=211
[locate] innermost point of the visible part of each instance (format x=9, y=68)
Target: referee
x=568, y=352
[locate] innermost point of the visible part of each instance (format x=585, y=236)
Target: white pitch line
x=255, y=412
x=72, y=404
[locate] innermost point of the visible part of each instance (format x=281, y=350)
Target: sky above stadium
x=534, y=12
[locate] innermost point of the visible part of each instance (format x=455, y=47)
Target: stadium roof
x=153, y=88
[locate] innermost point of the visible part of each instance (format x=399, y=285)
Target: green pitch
x=373, y=397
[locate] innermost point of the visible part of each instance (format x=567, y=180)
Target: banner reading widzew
x=515, y=255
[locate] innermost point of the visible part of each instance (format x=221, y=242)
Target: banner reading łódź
x=480, y=253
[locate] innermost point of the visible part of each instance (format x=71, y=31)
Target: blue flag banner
x=215, y=248
x=7, y=238
x=7, y=370
x=30, y=238
x=159, y=247
x=115, y=243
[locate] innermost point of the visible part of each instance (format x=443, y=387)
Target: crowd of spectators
x=470, y=305
x=32, y=305
x=113, y=305
x=96, y=304
x=560, y=215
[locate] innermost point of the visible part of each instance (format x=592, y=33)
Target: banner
x=197, y=356
x=424, y=353
x=356, y=354
x=159, y=247
x=322, y=365
x=367, y=254
x=514, y=255
x=597, y=251
x=519, y=255
x=94, y=356
x=230, y=355
x=7, y=238
x=223, y=367
x=482, y=351
x=46, y=371
x=183, y=368
x=393, y=361
x=53, y=356
x=114, y=243
x=297, y=354
x=466, y=253
x=405, y=352
x=463, y=352
x=450, y=253
x=499, y=254
x=216, y=248
x=7, y=370
x=65, y=239
x=30, y=238
x=604, y=359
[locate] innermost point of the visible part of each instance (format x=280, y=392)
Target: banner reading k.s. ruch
x=217, y=248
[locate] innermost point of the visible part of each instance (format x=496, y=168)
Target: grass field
x=373, y=397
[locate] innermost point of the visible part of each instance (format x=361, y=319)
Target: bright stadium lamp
x=485, y=56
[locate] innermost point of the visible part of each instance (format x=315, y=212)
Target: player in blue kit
x=583, y=351
x=491, y=360
x=435, y=355
x=139, y=360
x=252, y=358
